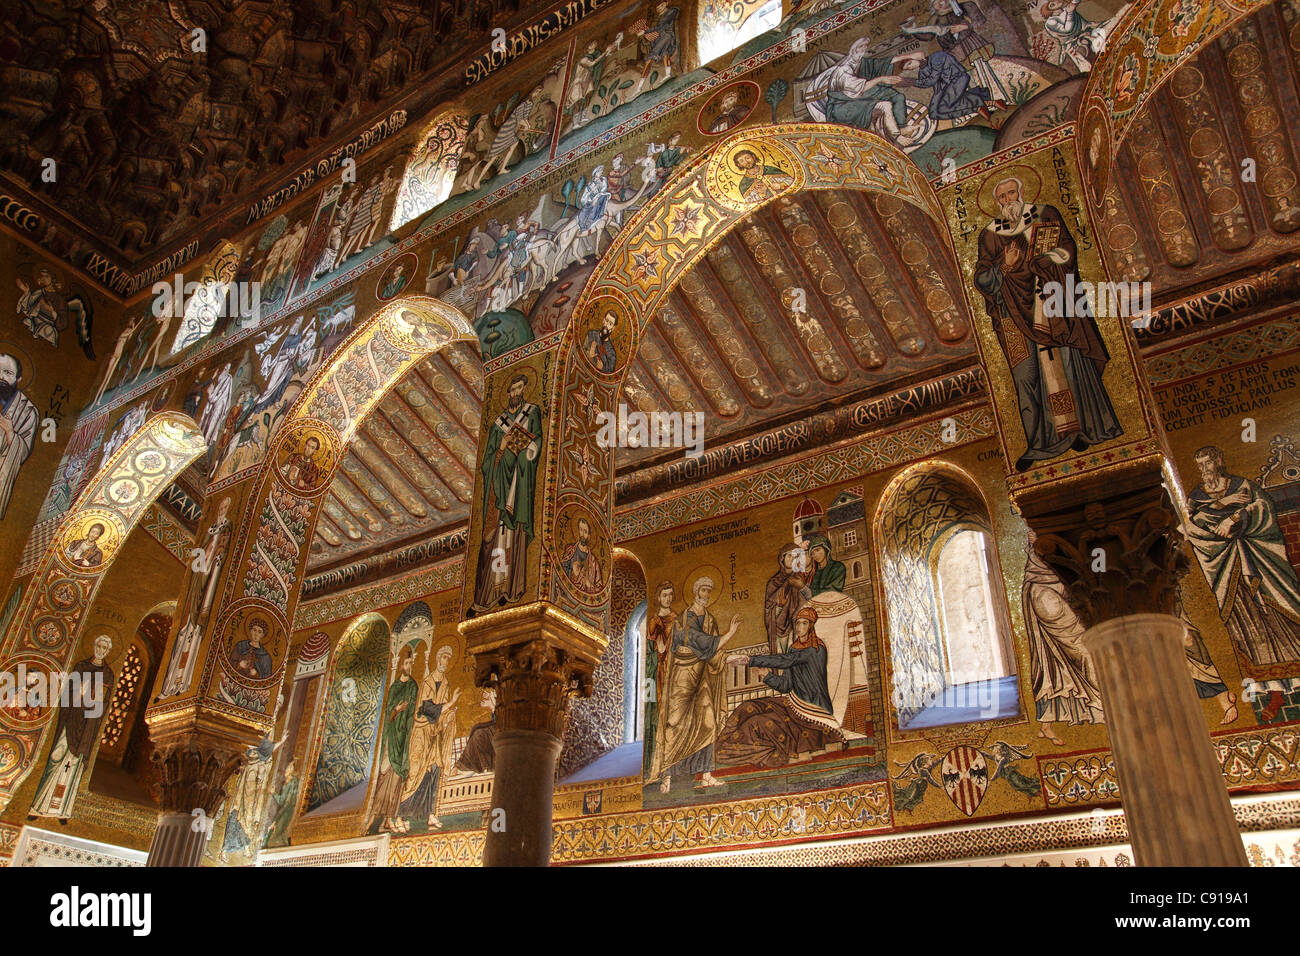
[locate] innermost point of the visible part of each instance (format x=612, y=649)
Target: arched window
x=975, y=647
x=304, y=704
x=431, y=169
x=726, y=24
x=635, y=686
x=599, y=741
x=122, y=765
x=946, y=622
x=208, y=302
x=116, y=721
x=347, y=741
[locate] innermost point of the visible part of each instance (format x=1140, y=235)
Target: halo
x=28, y=377
x=529, y=373
x=78, y=527
x=1029, y=178
x=704, y=570
x=92, y=632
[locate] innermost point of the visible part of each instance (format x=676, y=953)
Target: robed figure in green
x=286, y=802
x=395, y=747
x=508, y=475
x=828, y=574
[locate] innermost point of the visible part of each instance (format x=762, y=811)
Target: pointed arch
x=706, y=199
x=124, y=719
x=47, y=628
x=287, y=494
x=631, y=594
x=345, y=749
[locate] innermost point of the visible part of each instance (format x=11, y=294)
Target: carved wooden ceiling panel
x=409, y=472
x=815, y=300
x=1208, y=179
x=152, y=137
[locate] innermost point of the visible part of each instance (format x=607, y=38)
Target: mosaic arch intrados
x=704, y=201
x=47, y=630
x=290, y=485
x=1143, y=52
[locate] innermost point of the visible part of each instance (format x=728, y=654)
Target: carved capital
x=196, y=752
x=1116, y=555
x=193, y=772
x=537, y=657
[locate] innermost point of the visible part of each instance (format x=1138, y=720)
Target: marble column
x=1121, y=558
x=1171, y=786
x=537, y=658
x=192, y=772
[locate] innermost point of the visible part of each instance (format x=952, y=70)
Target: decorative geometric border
x=46, y=848
x=1262, y=758
x=1053, y=833
x=1223, y=349
x=862, y=455
x=363, y=851
x=857, y=809
x=407, y=587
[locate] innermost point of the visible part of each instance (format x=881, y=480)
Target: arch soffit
x=47, y=628
x=330, y=410
x=947, y=471
x=704, y=200
x=1143, y=52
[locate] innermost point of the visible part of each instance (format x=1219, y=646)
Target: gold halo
x=1029, y=178
x=703, y=570
x=530, y=374
x=28, y=377
x=91, y=633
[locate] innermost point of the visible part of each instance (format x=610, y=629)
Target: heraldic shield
x=965, y=775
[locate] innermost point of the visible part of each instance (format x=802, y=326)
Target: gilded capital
x=192, y=773
x=1117, y=554
x=537, y=657
x=195, y=754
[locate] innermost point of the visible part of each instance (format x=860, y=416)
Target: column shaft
x=519, y=827
x=1174, y=795
x=176, y=842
